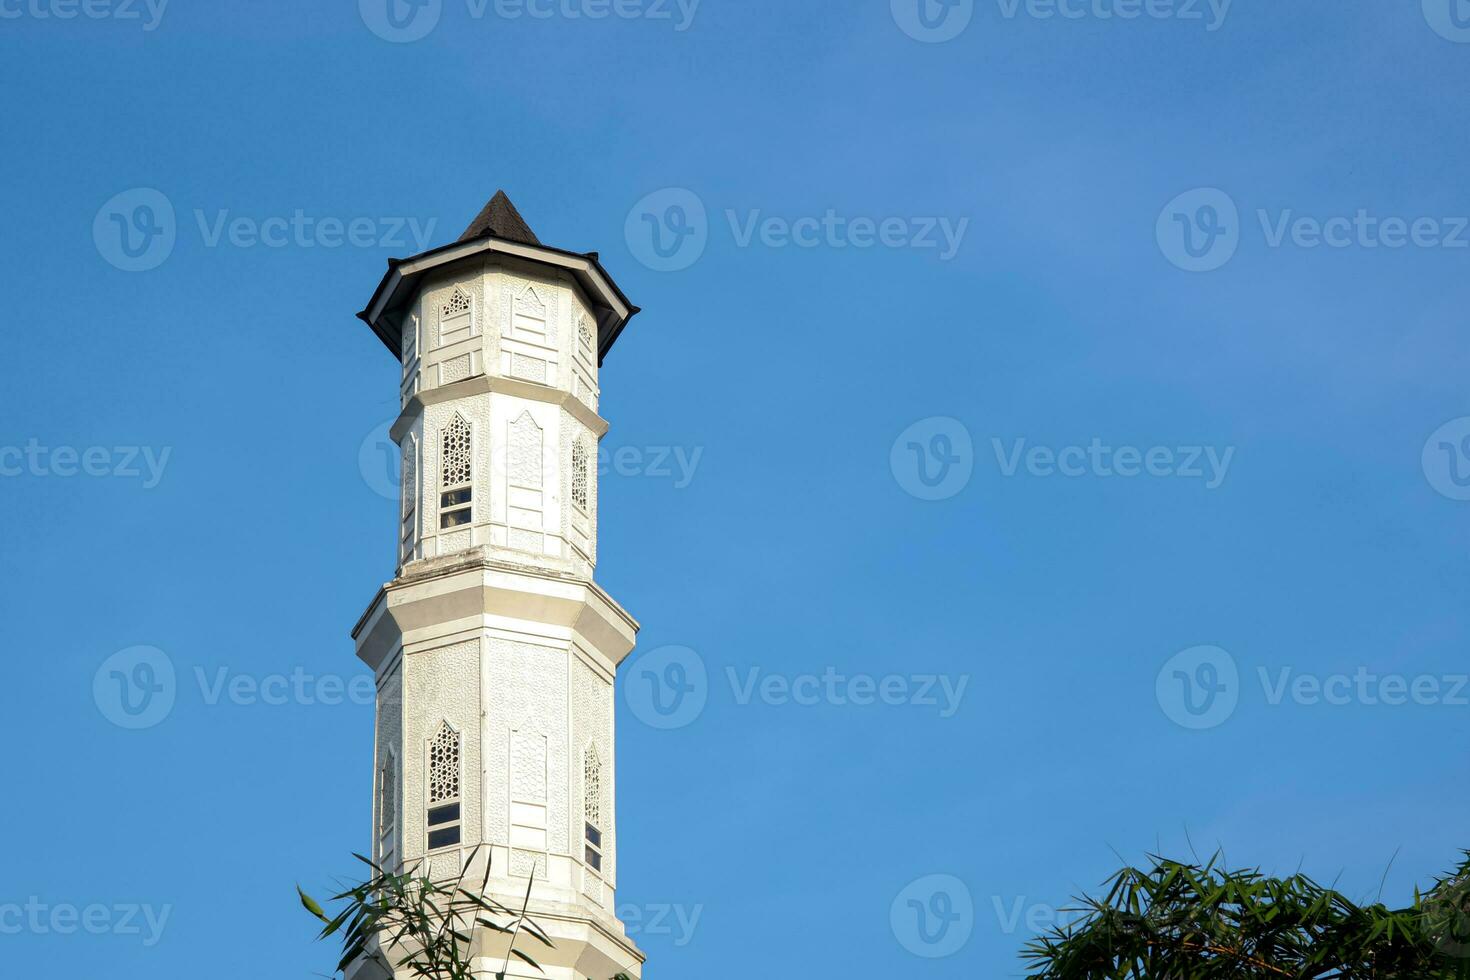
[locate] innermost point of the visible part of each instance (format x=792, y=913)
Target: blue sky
x=1264, y=656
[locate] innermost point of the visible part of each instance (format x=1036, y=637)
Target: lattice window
x=592, y=786
x=458, y=303
x=444, y=765
x=455, y=469
x=444, y=816
x=583, y=334
x=455, y=494
x=592, y=807
x=579, y=473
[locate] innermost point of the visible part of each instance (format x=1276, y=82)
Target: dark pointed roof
x=498, y=228
x=500, y=219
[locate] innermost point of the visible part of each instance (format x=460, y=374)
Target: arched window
x=579, y=474
x=444, y=789
x=387, y=807
x=455, y=493
x=456, y=318
x=592, y=806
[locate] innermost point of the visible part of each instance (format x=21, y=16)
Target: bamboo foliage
x=427, y=925
x=1176, y=921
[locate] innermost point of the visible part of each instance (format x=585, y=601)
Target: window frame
x=451, y=509
x=579, y=446
x=431, y=805
x=593, y=850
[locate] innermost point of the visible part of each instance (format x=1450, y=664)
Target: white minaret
x=494, y=649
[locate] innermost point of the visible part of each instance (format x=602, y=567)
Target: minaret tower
x=494, y=649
